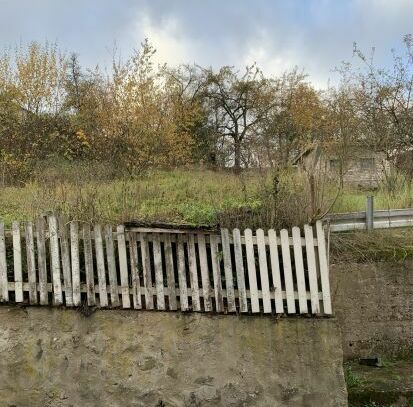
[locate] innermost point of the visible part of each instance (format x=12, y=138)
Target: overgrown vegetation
x=153, y=142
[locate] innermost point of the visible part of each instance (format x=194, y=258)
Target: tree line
x=138, y=114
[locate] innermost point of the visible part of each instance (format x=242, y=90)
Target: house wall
x=58, y=357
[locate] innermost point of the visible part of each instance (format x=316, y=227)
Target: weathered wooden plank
x=74, y=253
x=110, y=257
x=239, y=266
x=17, y=262
x=312, y=269
x=216, y=272
x=90, y=279
x=136, y=284
x=183, y=288
x=4, y=287
x=169, y=266
x=275, y=270
x=324, y=275
x=146, y=269
x=203, y=263
x=31, y=263
x=123, y=266
x=299, y=270
x=41, y=260
x=67, y=274
x=265, y=284
x=157, y=257
x=229, y=283
x=193, y=274
x=288, y=275
x=252, y=273
x=100, y=265
x=55, y=261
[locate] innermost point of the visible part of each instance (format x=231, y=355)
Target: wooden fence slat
x=169, y=266
x=183, y=287
x=229, y=283
x=216, y=272
x=90, y=279
x=265, y=284
x=275, y=269
x=203, y=263
x=136, y=284
x=157, y=257
x=74, y=253
x=55, y=261
x=193, y=273
x=67, y=274
x=41, y=260
x=312, y=269
x=100, y=265
x=252, y=274
x=123, y=266
x=31, y=262
x=146, y=268
x=17, y=262
x=4, y=287
x=110, y=257
x=288, y=275
x=239, y=266
x=322, y=254
x=299, y=270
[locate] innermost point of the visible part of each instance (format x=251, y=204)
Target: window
x=367, y=164
x=334, y=165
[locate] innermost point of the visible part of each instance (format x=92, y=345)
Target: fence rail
x=393, y=218
x=55, y=262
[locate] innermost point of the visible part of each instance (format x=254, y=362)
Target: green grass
x=91, y=192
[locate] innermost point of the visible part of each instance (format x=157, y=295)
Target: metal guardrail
x=370, y=219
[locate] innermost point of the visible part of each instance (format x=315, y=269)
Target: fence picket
x=123, y=266
x=41, y=260
x=17, y=262
x=90, y=279
x=193, y=273
x=299, y=270
x=169, y=266
x=100, y=265
x=322, y=255
x=239, y=266
x=55, y=261
x=67, y=277
x=4, y=286
x=275, y=269
x=203, y=263
x=113, y=277
x=265, y=284
x=216, y=272
x=136, y=284
x=288, y=276
x=252, y=273
x=229, y=283
x=146, y=267
x=31, y=262
x=183, y=288
x=74, y=253
x=157, y=257
x=312, y=269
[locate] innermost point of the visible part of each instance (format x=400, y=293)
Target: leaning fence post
x=370, y=213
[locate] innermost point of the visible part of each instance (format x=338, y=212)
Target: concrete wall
x=373, y=304
x=56, y=357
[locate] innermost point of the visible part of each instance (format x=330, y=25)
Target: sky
x=315, y=35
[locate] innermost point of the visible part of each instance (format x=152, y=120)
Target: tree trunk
x=237, y=155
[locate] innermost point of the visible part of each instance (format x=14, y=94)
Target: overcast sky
x=315, y=35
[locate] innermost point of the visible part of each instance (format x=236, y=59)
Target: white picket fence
x=53, y=262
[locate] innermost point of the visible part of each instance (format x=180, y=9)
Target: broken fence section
x=53, y=262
